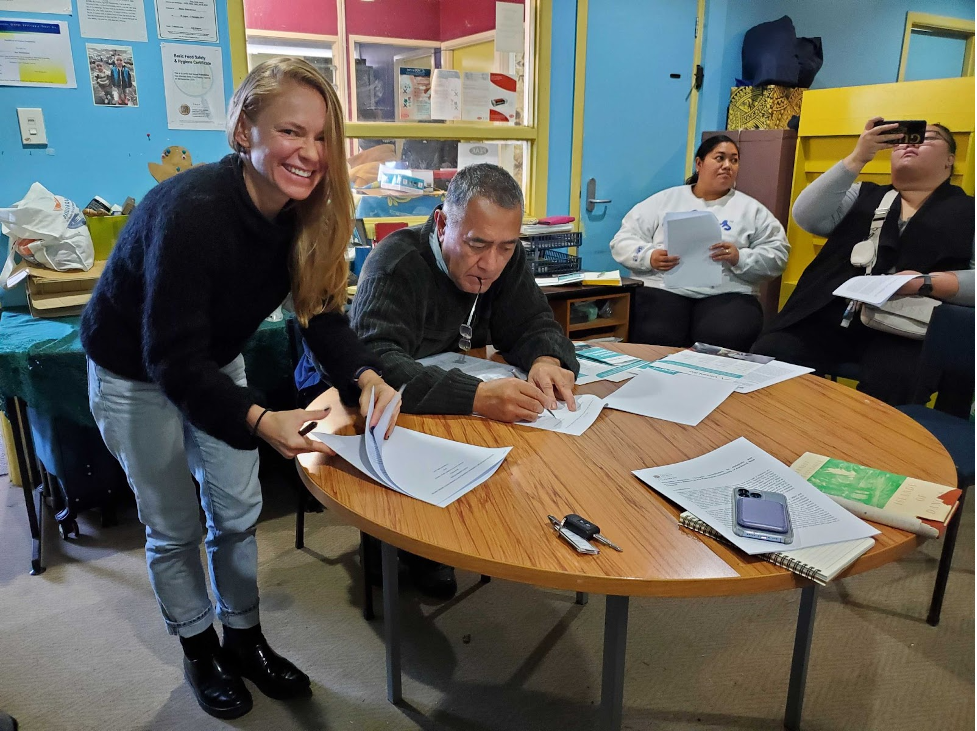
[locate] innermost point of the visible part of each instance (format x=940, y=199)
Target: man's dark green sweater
x=407, y=308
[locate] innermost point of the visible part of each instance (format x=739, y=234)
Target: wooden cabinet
x=614, y=305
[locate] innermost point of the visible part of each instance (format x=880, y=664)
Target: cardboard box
x=57, y=294
x=767, y=107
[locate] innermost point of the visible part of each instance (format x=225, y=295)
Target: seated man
x=464, y=268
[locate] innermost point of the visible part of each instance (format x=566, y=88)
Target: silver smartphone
x=761, y=515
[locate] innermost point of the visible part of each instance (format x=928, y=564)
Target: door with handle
x=635, y=113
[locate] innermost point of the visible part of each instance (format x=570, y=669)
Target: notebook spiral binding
x=687, y=520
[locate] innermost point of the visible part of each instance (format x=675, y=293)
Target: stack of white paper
x=704, y=486
x=434, y=470
x=688, y=236
x=873, y=290
x=675, y=397
x=481, y=368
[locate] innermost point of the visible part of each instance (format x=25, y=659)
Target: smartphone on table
x=761, y=515
x=913, y=131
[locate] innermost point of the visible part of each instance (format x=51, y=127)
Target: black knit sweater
x=407, y=308
x=195, y=271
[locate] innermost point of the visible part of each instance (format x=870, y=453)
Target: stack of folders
x=819, y=563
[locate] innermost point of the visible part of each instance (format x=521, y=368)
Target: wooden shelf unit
x=616, y=325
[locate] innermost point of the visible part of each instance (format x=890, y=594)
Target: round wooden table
x=500, y=528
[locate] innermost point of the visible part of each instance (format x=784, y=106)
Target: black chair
x=948, y=360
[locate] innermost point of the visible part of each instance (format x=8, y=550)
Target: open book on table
x=820, y=563
x=902, y=502
x=435, y=470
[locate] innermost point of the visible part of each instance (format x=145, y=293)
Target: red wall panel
x=461, y=18
x=296, y=16
x=415, y=19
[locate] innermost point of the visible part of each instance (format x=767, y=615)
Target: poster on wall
x=187, y=20
x=57, y=7
x=35, y=53
x=414, y=99
x=117, y=20
x=446, y=95
x=502, y=98
x=475, y=91
x=193, y=83
x=113, y=76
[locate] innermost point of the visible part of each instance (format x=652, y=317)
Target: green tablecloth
x=43, y=363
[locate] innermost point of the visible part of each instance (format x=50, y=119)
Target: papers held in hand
x=434, y=470
x=689, y=236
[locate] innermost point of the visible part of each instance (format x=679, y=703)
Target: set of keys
x=578, y=532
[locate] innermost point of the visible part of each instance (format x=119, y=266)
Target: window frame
x=939, y=25
x=538, y=24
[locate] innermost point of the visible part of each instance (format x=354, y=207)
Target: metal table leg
x=391, y=621
x=615, y=650
x=802, y=653
x=31, y=480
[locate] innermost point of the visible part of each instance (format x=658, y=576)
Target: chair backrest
x=949, y=350
x=385, y=229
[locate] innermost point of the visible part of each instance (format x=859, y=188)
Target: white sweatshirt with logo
x=743, y=221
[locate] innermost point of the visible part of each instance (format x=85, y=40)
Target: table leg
x=391, y=621
x=33, y=494
x=615, y=650
x=802, y=653
x=582, y=598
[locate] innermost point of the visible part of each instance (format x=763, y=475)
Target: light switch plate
x=32, y=130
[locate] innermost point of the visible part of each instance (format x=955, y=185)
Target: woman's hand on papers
x=555, y=381
x=661, y=261
x=725, y=252
x=281, y=430
x=371, y=381
x=509, y=400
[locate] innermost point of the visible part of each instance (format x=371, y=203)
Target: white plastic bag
x=47, y=230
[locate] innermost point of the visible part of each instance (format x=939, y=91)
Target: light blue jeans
x=159, y=450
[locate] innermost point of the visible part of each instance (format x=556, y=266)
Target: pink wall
x=425, y=20
x=461, y=18
x=296, y=16
x=415, y=19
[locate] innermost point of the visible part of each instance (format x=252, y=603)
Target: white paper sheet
x=704, y=365
x=36, y=53
x=187, y=20
x=486, y=370
x=768, y=374
x=446, y=95
x=475, y=91
x=569, y=422
x=688, y=236
x=120, y=20
x=431, y=469
x=704, y=486
x=193, y=84
x=680, y=398
x=874, y=290
x=510, y=33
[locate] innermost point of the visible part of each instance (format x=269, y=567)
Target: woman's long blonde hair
x=318, y=264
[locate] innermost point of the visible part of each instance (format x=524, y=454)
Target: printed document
x=675, y=397
x=768, y=374
x=689, y=236
x=434, y=470
x=706, y=366
x=873, y=290
x=564, y=421
x=704, y=486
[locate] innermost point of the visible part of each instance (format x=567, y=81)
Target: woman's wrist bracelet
x=254, y=429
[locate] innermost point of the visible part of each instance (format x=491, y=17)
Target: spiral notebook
x=820, y=563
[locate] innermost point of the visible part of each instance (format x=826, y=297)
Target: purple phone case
x=767, y=515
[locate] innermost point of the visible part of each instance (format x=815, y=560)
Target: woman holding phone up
x=205, y=257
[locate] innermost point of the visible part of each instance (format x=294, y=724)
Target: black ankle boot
x=218, y=688
x=275, y=676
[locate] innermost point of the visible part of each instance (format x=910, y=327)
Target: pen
x=307, y=428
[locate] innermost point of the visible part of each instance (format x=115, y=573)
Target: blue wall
x=98, y=150
x=862, y=41
x=562, y=61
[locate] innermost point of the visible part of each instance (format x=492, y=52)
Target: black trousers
x=665, y=318
x=888, y=365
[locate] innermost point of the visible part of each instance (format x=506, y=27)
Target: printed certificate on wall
x=58, y=7
x=193, y=83
x=187, y=20
x=35, y=53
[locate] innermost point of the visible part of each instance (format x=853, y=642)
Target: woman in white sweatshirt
x=754, y=249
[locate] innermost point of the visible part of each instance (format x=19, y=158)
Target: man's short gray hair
x=482, y=181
